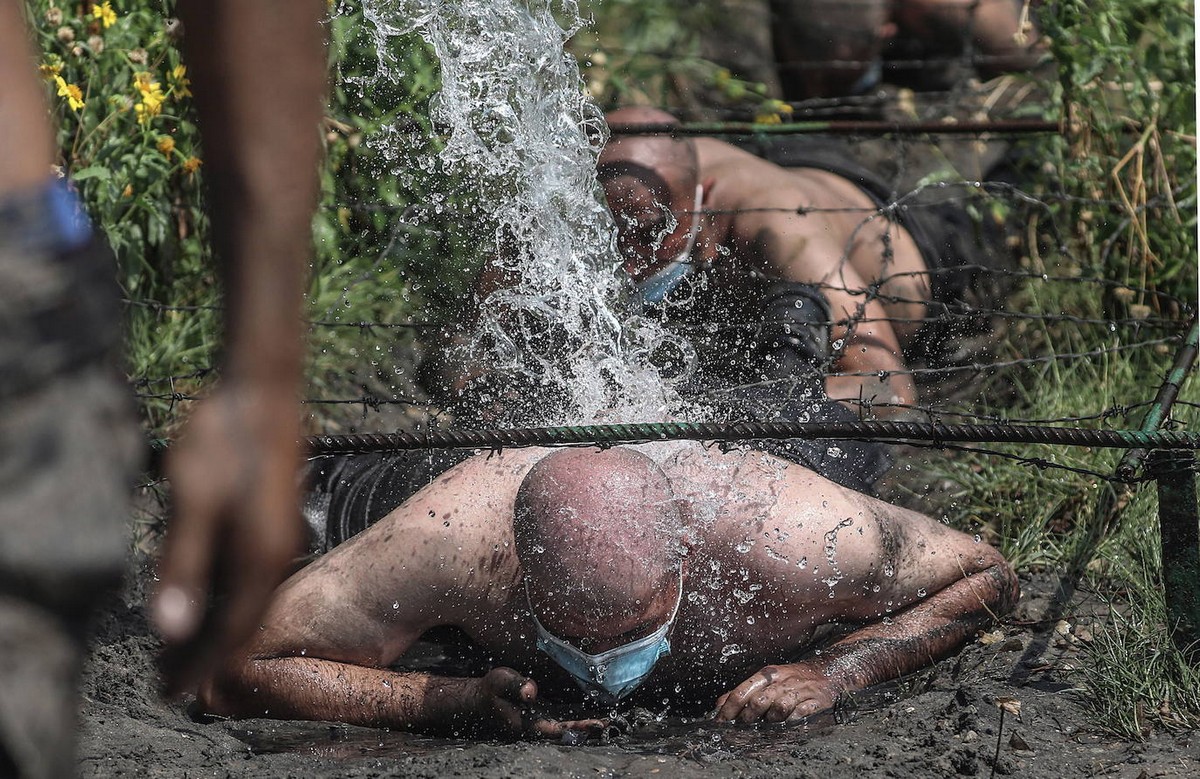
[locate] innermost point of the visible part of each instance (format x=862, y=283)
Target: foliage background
x=393, y=250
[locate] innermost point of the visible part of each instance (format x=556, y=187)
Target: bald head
x=672, y=158
x=650, y=183
x=597, y=533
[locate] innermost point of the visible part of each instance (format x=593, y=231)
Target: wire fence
x=926, y=100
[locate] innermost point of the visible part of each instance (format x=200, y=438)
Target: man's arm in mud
x=910, y=640
x=919, y=589
x=328, y=638
x=311, y=688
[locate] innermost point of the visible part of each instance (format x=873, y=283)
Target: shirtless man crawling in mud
x=804, y=265
x=667, y=570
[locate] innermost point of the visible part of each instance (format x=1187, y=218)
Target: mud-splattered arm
x=307, y=688
x=911, y=639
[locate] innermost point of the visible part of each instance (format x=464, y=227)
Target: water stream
x=520, y=127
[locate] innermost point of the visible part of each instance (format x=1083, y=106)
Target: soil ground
x=943, y=722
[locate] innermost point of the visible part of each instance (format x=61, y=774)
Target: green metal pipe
x=1160, y=409
x=840, y=127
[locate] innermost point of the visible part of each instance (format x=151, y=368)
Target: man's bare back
x=770, y=554
x=819, y=231
x=811, y=226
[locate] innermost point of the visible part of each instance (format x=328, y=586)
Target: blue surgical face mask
x=614, y=674
x=653, y=289
x=870, y=78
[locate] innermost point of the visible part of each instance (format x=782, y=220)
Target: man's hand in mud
x=507, y=701
x=235, y=527
x=778, y=693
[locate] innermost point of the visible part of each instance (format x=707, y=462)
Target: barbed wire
x=1040, y=463
x=833, y=64
x=942, y=410
x=1150, y=330
x=977, y=367
x=850, y=127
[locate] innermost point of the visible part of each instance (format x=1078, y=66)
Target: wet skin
x=794, y=224
x=774, y=552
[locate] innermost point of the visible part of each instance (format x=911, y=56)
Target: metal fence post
x=1179, y=520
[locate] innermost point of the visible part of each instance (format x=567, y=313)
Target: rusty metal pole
x=1179, y=519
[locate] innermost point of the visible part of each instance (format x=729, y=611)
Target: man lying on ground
x=831, y=48
x=758, y=260
x=668, y=571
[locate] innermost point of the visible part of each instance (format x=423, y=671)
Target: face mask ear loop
x=694, y=232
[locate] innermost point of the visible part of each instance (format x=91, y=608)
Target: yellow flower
x=772, y=112
x=166, y=145
x=49, y=70
x=128, y=191
x=105, y=14
x=191, y=165
x=145, y=83
x=152, y=97
x=71, y=92
x=147, y=111
x=182, y=82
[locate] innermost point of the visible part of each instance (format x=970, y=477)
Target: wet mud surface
x=943, y=722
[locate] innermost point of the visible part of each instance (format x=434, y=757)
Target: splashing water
x=521, y=128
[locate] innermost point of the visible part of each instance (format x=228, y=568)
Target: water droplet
x=744, y=547
x=742, y=596
x=802, y=563
x=395, y=604
x=921, y=593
